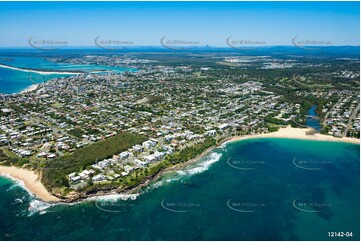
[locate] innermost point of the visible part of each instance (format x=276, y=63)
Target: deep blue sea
x=14, y=81
x=255, y=189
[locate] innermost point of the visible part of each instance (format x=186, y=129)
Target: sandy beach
x=34, y=186
x=30, y=88
x=288, y=132
x=40, y=72
x=297, y=133
x=31, y=181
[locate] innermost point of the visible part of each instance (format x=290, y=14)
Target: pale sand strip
x=31, y=181
x=40, y=72
x=33, y=184
x=298, y=133
x=30, y=88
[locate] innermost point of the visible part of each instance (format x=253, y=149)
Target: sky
x=205, y=23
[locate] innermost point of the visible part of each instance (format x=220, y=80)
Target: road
x=352, y=117
x=328, y=113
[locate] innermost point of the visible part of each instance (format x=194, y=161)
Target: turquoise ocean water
x=14, y=81
x=255, y=189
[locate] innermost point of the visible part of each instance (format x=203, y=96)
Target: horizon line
x=189, y=46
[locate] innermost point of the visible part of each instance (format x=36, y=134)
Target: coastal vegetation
x=192, y=151
x=146, y=173
x=55, y=171
x=177, y=107
x=9, y=159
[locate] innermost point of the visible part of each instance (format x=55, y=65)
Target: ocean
x=14, y=81
x=254, y=189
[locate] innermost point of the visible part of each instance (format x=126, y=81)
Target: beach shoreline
x=288, y=132
x=41, y=72
x=33, y=184
x=297, y=133
x=29, y=89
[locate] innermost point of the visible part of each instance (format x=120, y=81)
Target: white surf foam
x=202, y=166
x=17, y=183
x=162, y=182
x=115, y=197
x=193, y=169
x=36, y=206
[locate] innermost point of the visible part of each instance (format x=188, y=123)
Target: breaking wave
x=202, y=165
x=36, y=206
x=115, y=197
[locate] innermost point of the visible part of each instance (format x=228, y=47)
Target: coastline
x=33, y=185
x=297, y=133
x=29, y=89
x=31, y=182
x=40, y=72
x=175, y=167
x=288, y=132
